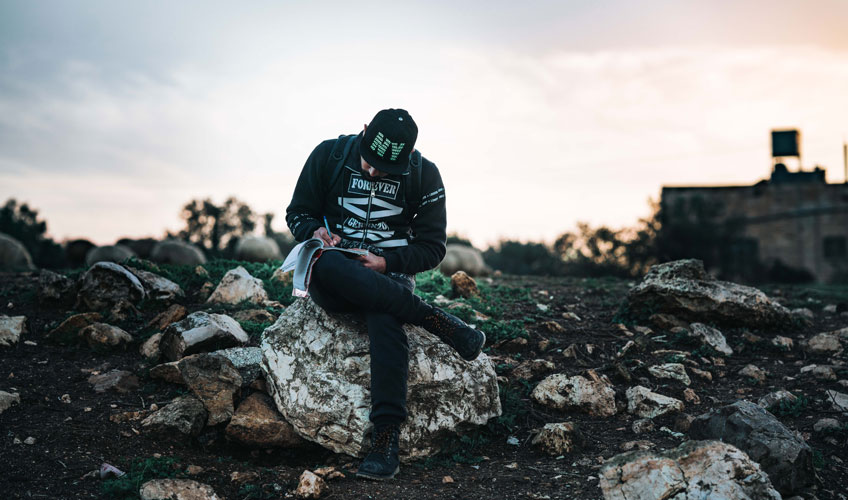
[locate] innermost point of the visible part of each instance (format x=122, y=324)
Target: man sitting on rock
x=374, y=191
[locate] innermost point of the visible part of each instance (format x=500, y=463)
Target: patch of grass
x=251, y=491
x=790, y=408
x=430, y=284
x=497, y=330
x=818, y=460
x=254, y=329
x=141, y=471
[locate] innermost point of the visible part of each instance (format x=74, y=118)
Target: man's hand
x=329, y=239
x=373, y=262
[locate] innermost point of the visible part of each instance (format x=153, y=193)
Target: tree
x=21, y=222
x=216, y=228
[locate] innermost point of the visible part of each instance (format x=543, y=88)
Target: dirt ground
x=73, y=433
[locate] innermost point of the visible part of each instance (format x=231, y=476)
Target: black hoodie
x=409, y=234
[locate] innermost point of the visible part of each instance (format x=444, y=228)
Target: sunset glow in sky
x=113, y=115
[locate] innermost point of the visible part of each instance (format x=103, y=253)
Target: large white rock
x=238, y=286
x=317, y=369
x=157, y=287
x=693, y=470
x=11, y=329
x=200, y=332
x=824, y=343
x=106, y=283
x=176, y=489
x=593, y=395
x=646, y=404
x=257, y=249
x=710, y=336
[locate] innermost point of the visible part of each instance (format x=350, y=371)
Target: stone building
x=792, y=219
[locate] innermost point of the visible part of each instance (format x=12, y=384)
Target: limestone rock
x=106, y=283
x=464, y=285
x=711, y=337
x=11, y=329
x=184, y=416
x=246, y=360
x=176, y=489
x=782, y=454
x=13, y=255
x=255, y=316
x=776, y=398
x=69, y=329
x=593, y=395
x=826, y=424
x=317, y=369
x=556, y=439
x=838, y=400
x=168, y=372
x=214, y=380
x=117, y=380
x=157, y=287
x=257, y=423
x=257, y=249
x=675, y=371
x=819, y=372
x=646, y=404
x=824, y=344
x=8, y=399
x=102, y=335
x=108, y=253
x=310, y=486
x=284, y=277
x=55, y=288
x=198, y=332
x=238, y=286
x=532, y=368
x=693, y=470
x=177, y=252
x=782, y=343
x=170, y=315
x=754, y=373
x=150, y=348
x=123, y=310
x=682, y=288
x=642, y=426
x=460, y=257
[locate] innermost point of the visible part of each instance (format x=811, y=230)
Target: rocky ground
x=567, y=351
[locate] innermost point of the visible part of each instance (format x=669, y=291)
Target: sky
x=113, y=115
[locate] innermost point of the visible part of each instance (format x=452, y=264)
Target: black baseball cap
x=389, y=140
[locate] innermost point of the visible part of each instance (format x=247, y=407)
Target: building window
x=835, y=247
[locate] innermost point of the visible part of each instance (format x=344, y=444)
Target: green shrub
x=141, y=471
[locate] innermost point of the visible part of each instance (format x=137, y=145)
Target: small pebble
x=30, y=441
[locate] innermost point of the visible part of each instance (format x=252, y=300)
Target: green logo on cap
x=381, y=145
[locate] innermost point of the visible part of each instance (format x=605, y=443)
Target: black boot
x=467, y=341
x=382, y=460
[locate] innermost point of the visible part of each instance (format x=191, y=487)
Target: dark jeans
x=342, y=284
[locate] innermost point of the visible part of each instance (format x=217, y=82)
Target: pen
x=327, y=225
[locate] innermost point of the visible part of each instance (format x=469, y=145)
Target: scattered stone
x=65, y=398
x=55, y=288
x=199, y=332
x=803, y=313
x=11, y=329
x=329, y=472
x=826, y=424
x=205, y=291
x=593, y=395
x=543, y=345
x=195, y=470
x=29, y=441
x=754, y=372
x=644, y=330
x=638, y=445
x=157, y=287
x=118, y=380
x=123, y=310
x=128, y=416
x=711, y=337
x=825, y=344
x=214, y=380
x=646, y=404
x=674, y=371
x=176, y=489
x=284, y=277
x=786, y=458
x=447, y=480
x=177, y=252
x=14, y=255
x=67, y=331
x=642, y=426
x=168, y=372
x=552, y=327
x=531, y=369
x=106, y=283
x=683, y=422
x=691, y=397
x=542, y=307
x=184, y=415
x=571, y=316
x=838, y=400
x=8, y=399
x=464, y=285
x=629, y=345
x=257, y=424
x=310, y=486
x=172, y=314
x=751, y=338
x=819, y=372
x=776, y=398
x=318, y=371
x=701, y=373
x=238, y=286
x=244, y=477
x=666, y=321
x=102, y=335
x=782, y=343
x=459, y=257
x=557, y=438
x=150, y=348
x=255, y=316
x=707, y=469
x=246, y=360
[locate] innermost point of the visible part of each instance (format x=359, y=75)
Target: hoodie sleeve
x=304, y=213
x=427, y=245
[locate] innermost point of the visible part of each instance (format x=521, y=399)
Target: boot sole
x=373, y=477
